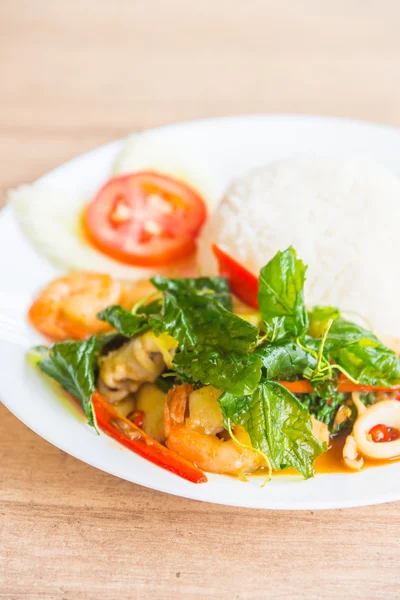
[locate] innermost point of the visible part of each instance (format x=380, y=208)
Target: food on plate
x=243, y=283
x=67, y=308
x=340, y=213
x=51, y=218
x=124, y=370
x=127, y=433
x=193, y=419
x=145, y=219
x=162, y=151
x=194, y=380
x=376, y=431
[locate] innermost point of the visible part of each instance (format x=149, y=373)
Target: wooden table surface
x=74, y=75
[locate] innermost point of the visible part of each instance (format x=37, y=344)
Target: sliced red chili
x=244, y=284
x=128, y=434
x=382, y=433
x=137, y=417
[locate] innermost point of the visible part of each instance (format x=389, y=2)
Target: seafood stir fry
x=187, y=376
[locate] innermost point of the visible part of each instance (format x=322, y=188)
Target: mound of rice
x=341, y=215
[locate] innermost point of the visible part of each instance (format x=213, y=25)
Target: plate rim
x=210, y=120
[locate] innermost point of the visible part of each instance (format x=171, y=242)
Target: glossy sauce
x=332, y=460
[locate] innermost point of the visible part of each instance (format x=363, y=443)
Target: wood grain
x=74, y=75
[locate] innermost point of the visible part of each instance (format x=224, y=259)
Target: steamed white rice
x=341, y=215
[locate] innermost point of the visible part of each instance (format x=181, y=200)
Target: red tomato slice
x=145, y=219
x=242, y=282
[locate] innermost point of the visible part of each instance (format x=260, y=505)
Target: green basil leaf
x=344, y=333
x=235, y=372
x=275, y=329
x=216, y=288
x=196, y=320
x=278, y=425
x=326, y=388
x=284, y=360
x=318, y=319
x=280, y=292
x=124, y=321
x=73, y=365
x=362, y=355
x=213, y=343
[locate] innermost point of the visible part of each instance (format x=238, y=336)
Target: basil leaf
x=124, y=321
x=344, y=333
x=278, y=425
x=216, y=288
x=165, y=384
x=213, y=343
x=318, y=319
x=73, y=365
x=280, y=292
x=284, y=360
x=275, y=329
x=195, y=320
x=362, y=355
x=235, y=372
x=325, y=388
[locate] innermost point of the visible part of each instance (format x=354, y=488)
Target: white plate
x=231, y=145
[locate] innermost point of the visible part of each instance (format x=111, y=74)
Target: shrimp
x=196, y=439
x=67, y=307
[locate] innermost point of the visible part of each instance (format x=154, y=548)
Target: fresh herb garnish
x=362, y=355
x=216, y=347
x=236, y=372
x=126, y=323
x=278, y=425
x=318, y=319
x=284, y=360
x=216, y=288
x=73, y=365
x=213, y=343
x=280, y=294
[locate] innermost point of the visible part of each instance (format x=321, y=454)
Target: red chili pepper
x=128, y=434
x=381, y=433
x=242, y=282
x=137, y=417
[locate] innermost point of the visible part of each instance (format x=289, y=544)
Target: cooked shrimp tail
x=193, y=421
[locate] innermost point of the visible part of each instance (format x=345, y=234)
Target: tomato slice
x=242, y=282
x=145, y=219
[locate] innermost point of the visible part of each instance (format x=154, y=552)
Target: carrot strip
x=303, y=386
